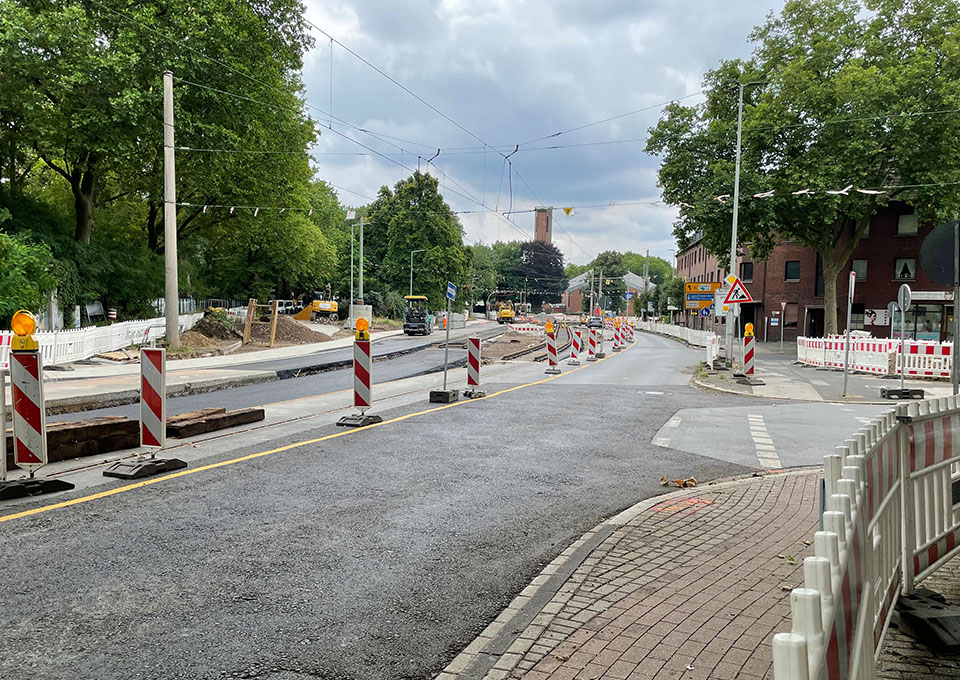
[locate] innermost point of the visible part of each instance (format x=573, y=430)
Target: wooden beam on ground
x=214, y=422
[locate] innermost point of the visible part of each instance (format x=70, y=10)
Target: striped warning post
x=617, y=337
x=552, y=353
x=153, y=397
x=29, y=415
x=575, y=347
x=592, y=345
x=473, y=362
x=361, y=375
x=748, y=351
x=3, y=424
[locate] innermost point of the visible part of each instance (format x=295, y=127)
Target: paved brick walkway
x=692, y=587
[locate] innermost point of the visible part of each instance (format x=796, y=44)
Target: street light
x=419, y=250
x=736, y=206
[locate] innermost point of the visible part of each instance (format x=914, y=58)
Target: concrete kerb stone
x=724, y=390
x=492, y=655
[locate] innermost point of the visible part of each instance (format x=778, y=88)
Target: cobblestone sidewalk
x=688, y=587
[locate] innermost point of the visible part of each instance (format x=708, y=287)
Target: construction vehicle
x=319, y=309
x=417, y=319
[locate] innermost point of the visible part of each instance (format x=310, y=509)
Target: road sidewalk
x=691, y=586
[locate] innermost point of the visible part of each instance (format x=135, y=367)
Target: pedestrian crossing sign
x=738, y=292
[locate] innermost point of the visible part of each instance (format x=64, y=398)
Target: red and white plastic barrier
x=552, y=353
x=526, y=329
x=153, y=398
x=5, y=340
x=592, y=345
x=362, y=397
x=748, y=351
x=473, y=362
x=575, y=346
x=29, y=414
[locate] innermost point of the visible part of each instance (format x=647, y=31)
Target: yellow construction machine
x=319, y=309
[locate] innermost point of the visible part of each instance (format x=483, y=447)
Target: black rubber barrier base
x=928, y=618
x=601, y=355
x=138, y=468
x=573, y=362
x=897, y=393
x=444, y=396
x=552, y=371
x=474, y=394
x=35, y=486
x=359, y=420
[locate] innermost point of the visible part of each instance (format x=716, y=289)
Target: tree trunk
x=153, y=229
x=830, y=274
x=83, y=184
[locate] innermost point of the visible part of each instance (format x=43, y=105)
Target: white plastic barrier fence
x=692, y=337
x=890, y=521
x=878, y=355
x=60, y=347
x=931, y=465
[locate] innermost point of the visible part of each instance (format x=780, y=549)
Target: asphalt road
x=378, y=554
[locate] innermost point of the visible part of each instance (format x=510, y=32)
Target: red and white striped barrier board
x=552, y=353
x=526, y=329
x=5, y=339
x=748, y=347
x=362, y=398
x=29, y=415
x=592, y=345
x=617, y=337
x=3, y=425
x=153, y=398
x=473, y=362
x=575, y=346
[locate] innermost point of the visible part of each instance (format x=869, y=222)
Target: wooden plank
x=215, y=422
x=193, y=415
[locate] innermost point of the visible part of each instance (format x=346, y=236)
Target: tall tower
x=543, y=225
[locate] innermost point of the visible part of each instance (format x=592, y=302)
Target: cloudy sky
x=511, y=72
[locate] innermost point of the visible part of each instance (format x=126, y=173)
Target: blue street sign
x=627, y=296
x=451, y=291
x=699, y=297
x=705, y=312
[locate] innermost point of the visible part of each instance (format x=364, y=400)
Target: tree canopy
x=843, y=102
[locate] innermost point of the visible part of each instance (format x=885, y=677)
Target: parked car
x=595, y=322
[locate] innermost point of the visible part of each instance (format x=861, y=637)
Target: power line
x=607, y=120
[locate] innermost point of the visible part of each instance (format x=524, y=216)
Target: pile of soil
x=508, y=343
x=289, y=332
x=193, y=338
x=211, y=327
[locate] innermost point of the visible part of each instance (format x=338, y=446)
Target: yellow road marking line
x=261, y=454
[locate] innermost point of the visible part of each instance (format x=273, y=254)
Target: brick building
x=887, y=256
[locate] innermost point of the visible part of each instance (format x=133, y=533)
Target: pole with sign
x=903, y=302
x=783, y=315
x=846, y=348
x=446, y=396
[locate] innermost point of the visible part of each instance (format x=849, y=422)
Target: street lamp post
x=419, y=250
x=736, y=207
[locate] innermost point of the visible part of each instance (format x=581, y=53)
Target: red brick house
x=887, y=256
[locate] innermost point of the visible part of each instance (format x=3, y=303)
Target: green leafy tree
x=483, y=271
x=660, y=269
x=832, y=76
x=25, y=277
x=609, y=267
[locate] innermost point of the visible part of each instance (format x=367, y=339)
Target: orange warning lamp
x=24, y=325
x=362, y=329
x=748, y=330
x=548, y=327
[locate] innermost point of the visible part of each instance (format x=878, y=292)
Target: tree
x=660, y=269
x=610, y=268
x=542, y=271
x=483, y=271
x=842, y=104
x=25, y=279
x=416, y=216
x=82, y=88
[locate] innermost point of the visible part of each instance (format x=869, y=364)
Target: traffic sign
x=451, y=291
x=903, y=298
x=705, y=312
x=738, y=292
x=783, y=305
x=699, y=295
x=628, y=296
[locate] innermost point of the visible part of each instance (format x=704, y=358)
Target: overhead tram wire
x=358, y=143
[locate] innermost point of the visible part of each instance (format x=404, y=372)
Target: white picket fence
x=890, y=521
x=61, y=347
x=880, y=356
x=706, y=339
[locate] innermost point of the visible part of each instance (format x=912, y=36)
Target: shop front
x=930, y=317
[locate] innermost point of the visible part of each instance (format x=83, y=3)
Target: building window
x=791, y=314
x=791, y=271
x=856, y=316
x=860, y=268
x=818, y=279
x=905, y=269
x=746, y=271
x=711, y=276
x=907, y=225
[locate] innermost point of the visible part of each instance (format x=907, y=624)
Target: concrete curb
x=483, y=653
x=716, y=388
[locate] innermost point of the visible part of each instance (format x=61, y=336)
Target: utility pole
x=736, y=208
x=171, y=289
x=600, y=292
x=419, y=250
x=352, y=239
x=361, y=260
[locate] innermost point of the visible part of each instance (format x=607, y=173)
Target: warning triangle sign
x=738, y=294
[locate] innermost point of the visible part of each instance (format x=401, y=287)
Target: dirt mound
x=289, y=332
x=211, y=327
x=508, y=343
x=194, y=338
